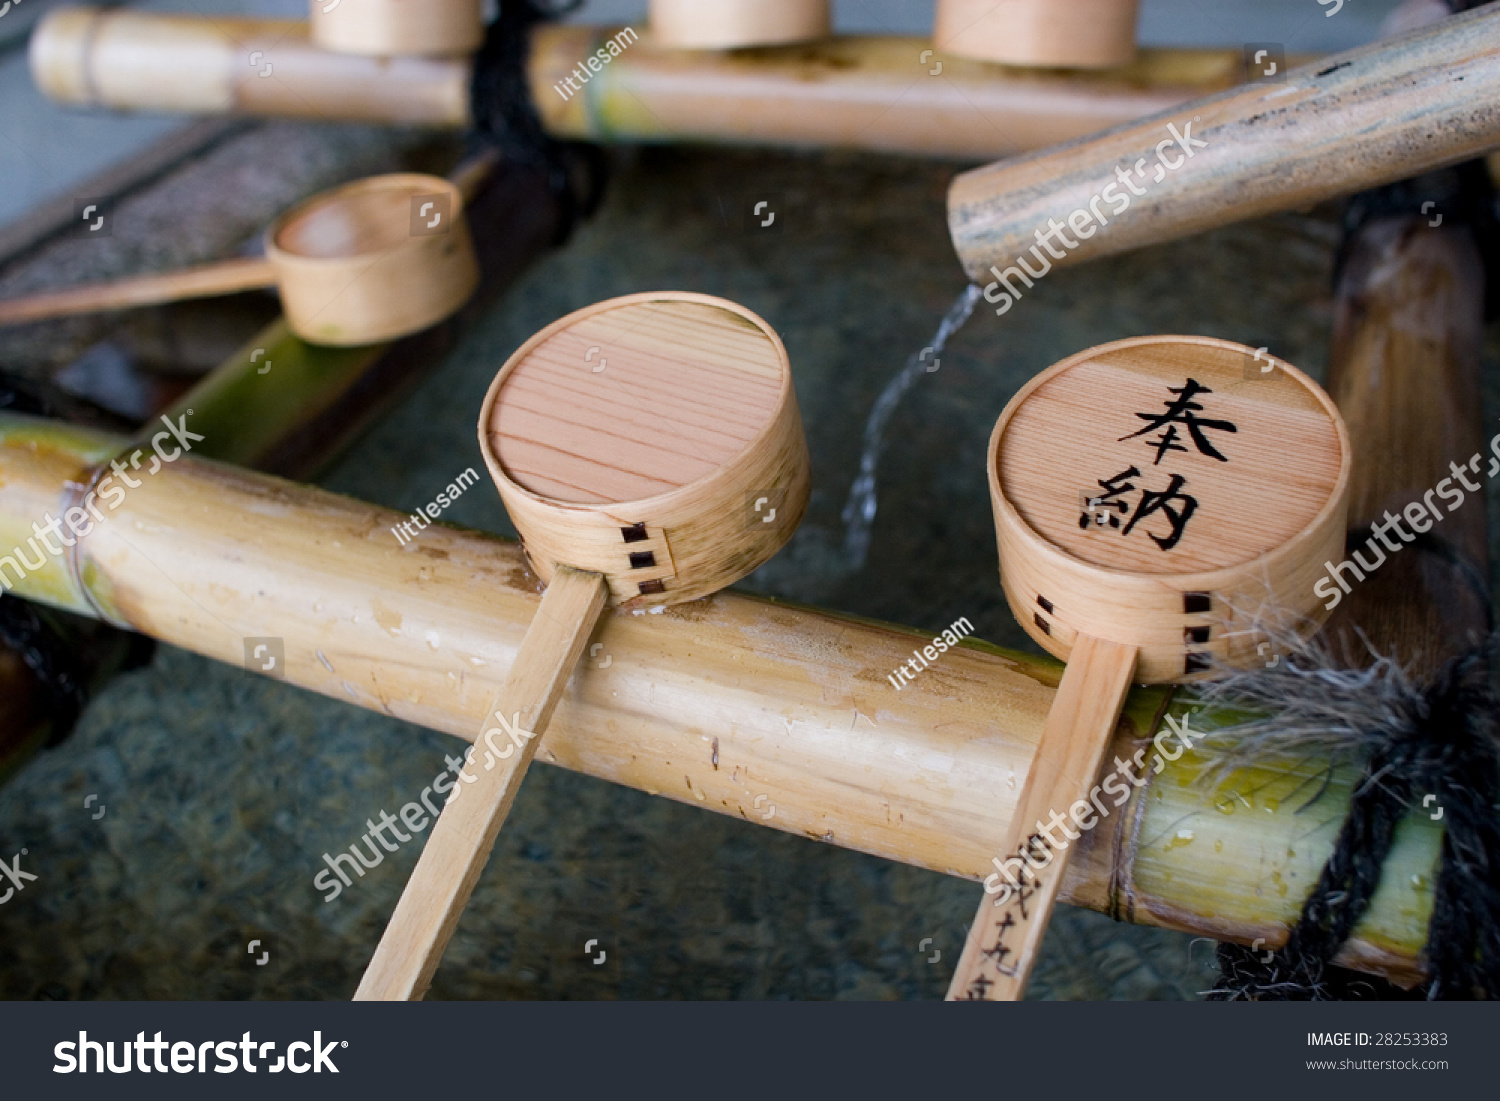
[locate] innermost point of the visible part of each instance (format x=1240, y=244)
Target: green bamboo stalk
x=266, y=390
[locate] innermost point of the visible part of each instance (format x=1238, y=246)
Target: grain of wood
x=653, y=438
x=1264, y=519
x=1006, y=936
x=459, y=847
x=1333, y=127
x=635, y=402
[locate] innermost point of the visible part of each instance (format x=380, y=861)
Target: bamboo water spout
x=1343, y=124
x=715, y=703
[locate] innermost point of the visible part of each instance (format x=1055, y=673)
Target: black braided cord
x=22, y=628
x=1448, y=748
x=506, y=119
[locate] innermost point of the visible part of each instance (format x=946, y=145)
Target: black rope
x=1444, y=752
x=58, y=656
x=506, y=119
x=1447, y=746
x=45, y=653
x=22, y=627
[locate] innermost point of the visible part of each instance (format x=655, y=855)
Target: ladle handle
x=1007, y=933
x=457, y=851
x=224, y=277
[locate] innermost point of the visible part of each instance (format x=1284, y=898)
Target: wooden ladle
x=396, y=28
x=650, y=452
x=736, y=24
x=1067, y=34
x=368, y=261
x=1152, y=497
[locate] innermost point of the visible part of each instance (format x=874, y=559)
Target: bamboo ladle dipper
x=1151, y=497
x=1070, y=34
x=650, y=452
x=368, y=261
x=736, y=24
x=396, y=28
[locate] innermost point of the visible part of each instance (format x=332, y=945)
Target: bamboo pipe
x=141, y=62
x=1343, y=124
x=883, y=93
x=1406, y=367
x=715, y=703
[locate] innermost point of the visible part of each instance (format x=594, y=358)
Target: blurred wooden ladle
x=362, y=263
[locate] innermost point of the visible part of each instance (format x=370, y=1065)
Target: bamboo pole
x=137, y=61
x=741, y=705
x=1406, y=366
x=1343, y=124
x=884, y=93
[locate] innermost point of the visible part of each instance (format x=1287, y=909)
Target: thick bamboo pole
x=136, y=61
x=887, y=93
x=1406, y=368
x=741, y=705
x=1346, y=123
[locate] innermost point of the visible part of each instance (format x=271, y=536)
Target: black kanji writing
x=1162, y=502
x=1108, y=501
x=1182, y=410
x=978, y=989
